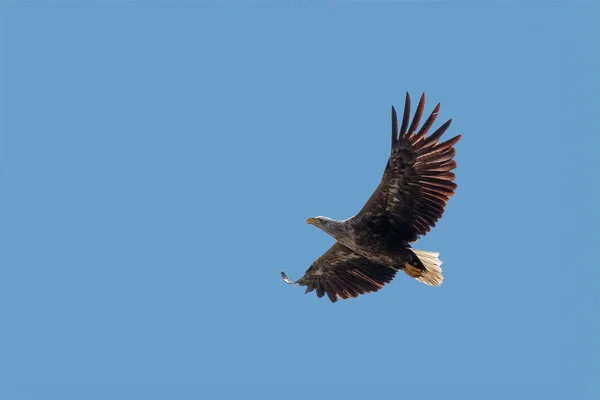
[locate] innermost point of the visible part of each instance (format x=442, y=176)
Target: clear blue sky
x=159, y=162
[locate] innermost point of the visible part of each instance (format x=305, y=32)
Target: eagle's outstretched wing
x=417, y=181
x=340, y=272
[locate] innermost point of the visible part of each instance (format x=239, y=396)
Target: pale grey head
x=337, y=229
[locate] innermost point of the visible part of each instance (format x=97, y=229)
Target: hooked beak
x=311, y=221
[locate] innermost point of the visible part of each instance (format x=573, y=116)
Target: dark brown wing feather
x=417, y=181
x=341, y=273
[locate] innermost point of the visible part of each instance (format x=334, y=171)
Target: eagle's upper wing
x=417, y=181
x=340, y=272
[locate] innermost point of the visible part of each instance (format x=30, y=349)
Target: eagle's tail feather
x=433, y=265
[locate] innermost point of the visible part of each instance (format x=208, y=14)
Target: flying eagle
x=375, y=244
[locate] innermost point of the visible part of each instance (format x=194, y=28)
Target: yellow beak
x=311, y=221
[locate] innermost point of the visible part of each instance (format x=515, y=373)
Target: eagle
x=375, y=244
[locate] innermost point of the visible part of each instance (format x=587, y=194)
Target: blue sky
x=160, y=159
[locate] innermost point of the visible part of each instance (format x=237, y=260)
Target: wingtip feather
x=286, y=279
x=405, y=116
x=394, y=128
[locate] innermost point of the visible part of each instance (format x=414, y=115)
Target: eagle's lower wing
x=417, y=181
x=340, y=272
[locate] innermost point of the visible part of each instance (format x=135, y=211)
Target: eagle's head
x=328, y=225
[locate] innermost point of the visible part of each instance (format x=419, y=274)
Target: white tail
x=433, y=276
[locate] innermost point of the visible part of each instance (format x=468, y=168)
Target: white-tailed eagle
x=375, y=244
